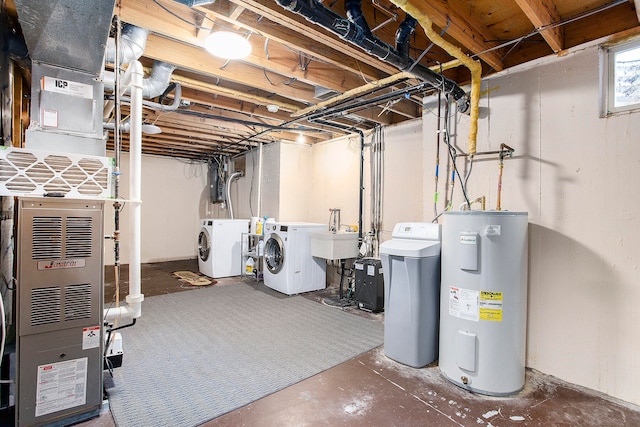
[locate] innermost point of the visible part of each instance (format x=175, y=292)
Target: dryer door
x=274, y=254
x=204, y=244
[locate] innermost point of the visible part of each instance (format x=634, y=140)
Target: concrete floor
x=372, y=390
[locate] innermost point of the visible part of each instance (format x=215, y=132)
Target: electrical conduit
x=231, y=178
x=412, y=7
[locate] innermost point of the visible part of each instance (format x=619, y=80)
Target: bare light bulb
x=227, y=45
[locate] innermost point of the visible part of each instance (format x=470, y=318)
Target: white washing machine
x=288, y=265
x=220, y=247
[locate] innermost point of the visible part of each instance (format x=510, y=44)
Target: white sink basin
x=330, y=245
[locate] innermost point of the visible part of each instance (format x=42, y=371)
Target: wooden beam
x=270, y=10
x=229, y=103
x=147, y=14
x=465, y=29
x=235, y=94
x=542, y=13
x=192, y=58
x=235, y=14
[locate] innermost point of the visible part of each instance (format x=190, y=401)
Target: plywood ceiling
x=224, y=103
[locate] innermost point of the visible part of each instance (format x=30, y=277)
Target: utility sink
x=330, y=245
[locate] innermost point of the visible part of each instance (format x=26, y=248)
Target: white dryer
x=220, y=247
x=288, y=265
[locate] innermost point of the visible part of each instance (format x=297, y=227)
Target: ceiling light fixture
x=150, y=129
x=227, y=45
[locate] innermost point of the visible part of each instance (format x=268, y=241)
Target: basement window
x=620, y=78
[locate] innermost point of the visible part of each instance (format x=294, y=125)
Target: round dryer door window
x=204, y=245
x=274, y=254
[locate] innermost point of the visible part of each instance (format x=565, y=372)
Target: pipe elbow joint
x=288, y=4
x=464, y=105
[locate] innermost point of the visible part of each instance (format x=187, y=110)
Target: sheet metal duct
x=133, y=40
x=66, y=33
x=356, y=31
x=192, y=3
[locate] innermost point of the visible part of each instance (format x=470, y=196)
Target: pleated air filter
x=38, y=173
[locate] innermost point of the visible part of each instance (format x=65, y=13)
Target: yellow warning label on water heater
x=491, y=306
x=489, y=295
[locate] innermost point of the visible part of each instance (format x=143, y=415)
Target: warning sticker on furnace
x=491, y=306
x=61, y=385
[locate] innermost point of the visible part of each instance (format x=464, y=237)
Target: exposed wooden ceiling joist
x=295, y=64
x=543, y=13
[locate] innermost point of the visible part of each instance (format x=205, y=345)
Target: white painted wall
x=244, y=191
x=174, y=197
x=286, y=183
x=335, y=177
x=575, y=174
x=295, y=182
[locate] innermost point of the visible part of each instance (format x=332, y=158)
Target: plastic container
x=249, y=265
x=411, y=266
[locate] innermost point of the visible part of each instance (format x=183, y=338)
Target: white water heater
x=483, y=300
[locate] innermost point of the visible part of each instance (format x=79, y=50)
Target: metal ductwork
x=193, y=3
x=152, y=86
x=66, y=33
x=133, y=40
x=158, y=81
x=356, y=31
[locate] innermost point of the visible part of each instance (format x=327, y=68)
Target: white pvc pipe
x=126, y=312
x=135, y=298
x=260, y=180
x=133, y=77
x=231, y=178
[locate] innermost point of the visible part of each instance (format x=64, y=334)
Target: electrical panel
x=217, y=192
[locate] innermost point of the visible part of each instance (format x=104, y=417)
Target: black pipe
x=315, y=12
x=341, y=288
x=353, y=9
x=406, y=28
x=376, y=100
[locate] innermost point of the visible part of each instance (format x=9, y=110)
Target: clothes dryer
x=220, y=248
x=288, y=265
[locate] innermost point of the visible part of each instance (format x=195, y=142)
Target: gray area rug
x=196, y=355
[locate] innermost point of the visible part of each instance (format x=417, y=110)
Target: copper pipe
x=500, y=168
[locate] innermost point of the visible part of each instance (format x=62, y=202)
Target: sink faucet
x=335, y=213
